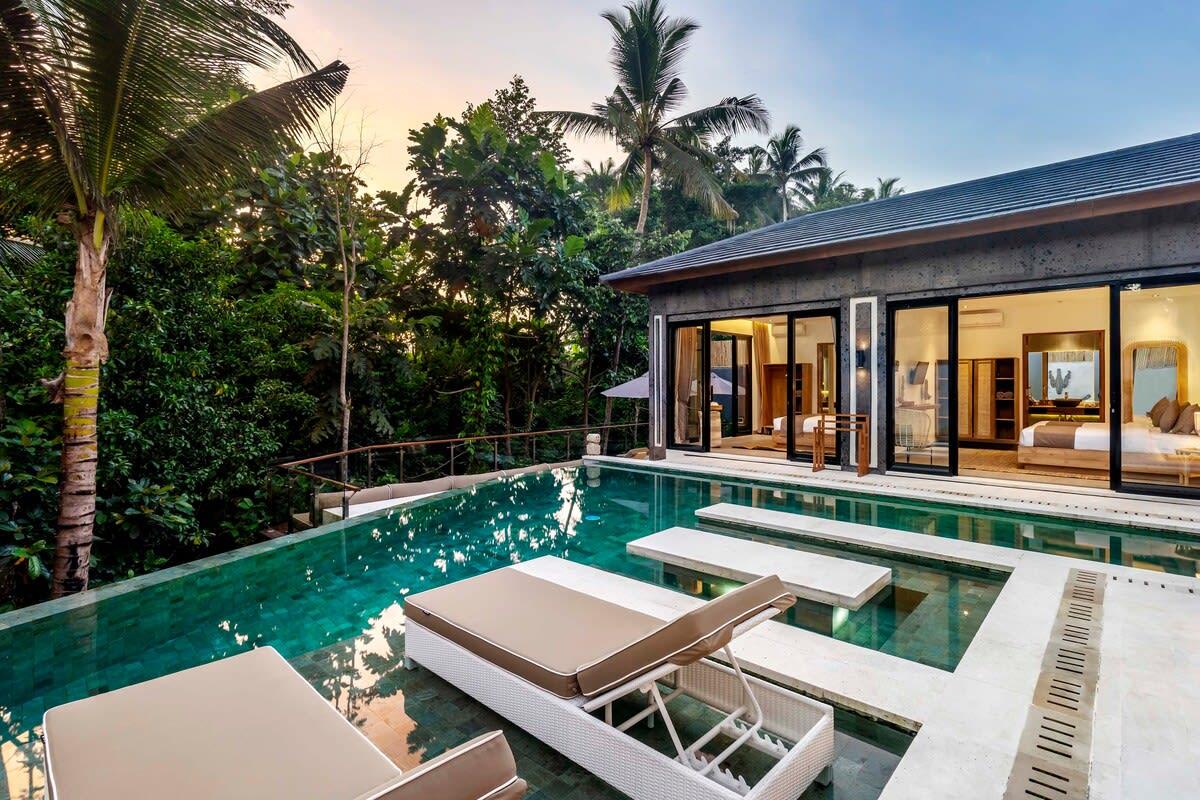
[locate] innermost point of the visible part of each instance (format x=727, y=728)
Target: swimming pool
x=333, y=602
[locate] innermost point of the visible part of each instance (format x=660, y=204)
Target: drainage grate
x=1055, y=751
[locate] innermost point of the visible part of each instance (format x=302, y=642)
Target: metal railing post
x=370, y=468
x=291, y=502
x=402, y=465
x=495, y=454
x=314, y=512
x=345, y=505
x=452, y=459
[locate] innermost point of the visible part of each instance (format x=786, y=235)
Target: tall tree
x=887, y=187
x=110, y=105
x=648, y=48
x=787, y=163
x=828, y=190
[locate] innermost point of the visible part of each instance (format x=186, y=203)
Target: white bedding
x=807, y=426
x=1136, y=437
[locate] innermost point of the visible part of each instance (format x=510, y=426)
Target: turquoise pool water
x=315, y=595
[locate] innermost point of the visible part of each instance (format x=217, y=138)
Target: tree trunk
x=86, y=349
x=783, y=194
x=608, y=401
x=646, y=179
x=344, y=369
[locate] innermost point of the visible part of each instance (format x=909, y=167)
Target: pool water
x=332, y=603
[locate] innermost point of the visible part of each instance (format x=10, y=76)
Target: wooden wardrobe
x=987, y=400
x=777, y=389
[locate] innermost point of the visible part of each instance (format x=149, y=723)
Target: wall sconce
x=860, y=358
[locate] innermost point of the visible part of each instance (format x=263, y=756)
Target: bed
x=806, y=426
x=1085, y=445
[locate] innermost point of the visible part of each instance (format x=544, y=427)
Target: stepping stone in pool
x=824, y=579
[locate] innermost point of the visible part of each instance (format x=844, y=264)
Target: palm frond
x=731, y=116
x=682, y=161
x=647, y=48
x=18, y=254
x=579, y=123
x=143, y=70
x=37, y=129
x=626, y=180
x=230, y=143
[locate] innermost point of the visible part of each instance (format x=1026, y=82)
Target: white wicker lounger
x=501, y=638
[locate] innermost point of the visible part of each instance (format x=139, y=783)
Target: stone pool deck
x=1063, y=502
x=970, y=723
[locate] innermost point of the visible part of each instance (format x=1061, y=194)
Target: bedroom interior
x=1032, y=366
x=1033, y=379
x=751, y=385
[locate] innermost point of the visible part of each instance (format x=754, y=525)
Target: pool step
x=824, y=579
x=913, y=545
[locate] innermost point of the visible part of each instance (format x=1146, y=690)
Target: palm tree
x=646, y=53
x=109, y=106
x=603, y=181
x=756, y=162
x=787, y=162
x=887, y=187
x=826, y=190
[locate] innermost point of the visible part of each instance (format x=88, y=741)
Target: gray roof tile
x=1148, y=166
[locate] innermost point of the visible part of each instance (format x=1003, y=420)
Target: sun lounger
x=553, y=660
x=248, y=726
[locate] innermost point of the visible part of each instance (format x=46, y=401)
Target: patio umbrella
x=639, y=387
x=636, y=389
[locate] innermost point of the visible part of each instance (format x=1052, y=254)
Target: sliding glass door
x=923, y=387
x=814, y=377
x=688, y=386
x=732, y=381
x=1155, y=421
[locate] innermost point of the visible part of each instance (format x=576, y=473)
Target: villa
x=1037, y=325
x=1000, y=601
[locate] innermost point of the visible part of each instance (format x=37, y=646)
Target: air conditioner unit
x=983, y=318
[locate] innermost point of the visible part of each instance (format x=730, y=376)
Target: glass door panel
x=814, y=379
x=687, y=388
x=744, y=381
x=922, y=389
x=1160, y=343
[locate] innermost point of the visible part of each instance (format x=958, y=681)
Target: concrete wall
x=1126, y=246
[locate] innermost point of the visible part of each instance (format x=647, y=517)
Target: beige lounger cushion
x=689, y=638
x=481, y=768
x=572, y=643
x=246, y=726
x=534, y=628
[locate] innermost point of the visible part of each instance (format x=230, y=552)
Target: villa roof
x=1134, y=178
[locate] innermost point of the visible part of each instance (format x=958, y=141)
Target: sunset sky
x=934, y=92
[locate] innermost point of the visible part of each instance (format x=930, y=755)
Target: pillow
x=1169, y=416
x=1156, y=410
x=1187, y=419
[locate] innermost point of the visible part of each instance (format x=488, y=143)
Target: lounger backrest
x=481, y=769
x=688, y=638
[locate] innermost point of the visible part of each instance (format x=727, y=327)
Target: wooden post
x=864, y=446
x=818, y=456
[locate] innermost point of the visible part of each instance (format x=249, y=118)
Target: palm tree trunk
x=646, y=179
x=608, y=401
x=86, y=350
x=783, y=194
